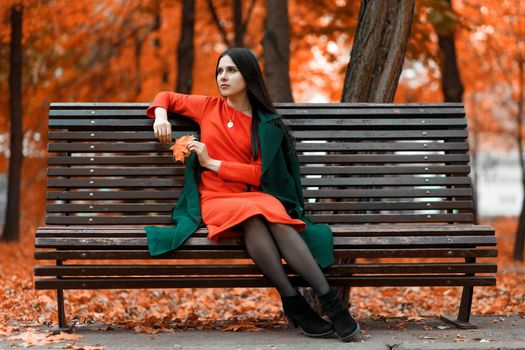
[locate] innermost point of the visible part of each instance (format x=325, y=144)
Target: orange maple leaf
x=180, y=152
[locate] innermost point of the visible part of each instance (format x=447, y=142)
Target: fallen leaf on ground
x=32, y=338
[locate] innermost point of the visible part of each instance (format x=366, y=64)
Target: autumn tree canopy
x=108, y=50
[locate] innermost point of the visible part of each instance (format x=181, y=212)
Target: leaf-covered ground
x=235, y=309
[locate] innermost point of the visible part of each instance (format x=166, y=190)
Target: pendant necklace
x=230, y=123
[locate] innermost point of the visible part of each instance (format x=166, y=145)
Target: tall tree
x=12, y=221
x=445, y=26
x=185, y=50
x=276, y=44
x=378, y=52
x=237, y=19
x=519, y=58
x=377, y=57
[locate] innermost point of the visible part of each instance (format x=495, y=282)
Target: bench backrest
x=360, y=163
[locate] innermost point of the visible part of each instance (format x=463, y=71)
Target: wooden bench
x=391, y=180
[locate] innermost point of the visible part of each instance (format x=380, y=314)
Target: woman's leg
x=263, y=251
x=298, y=256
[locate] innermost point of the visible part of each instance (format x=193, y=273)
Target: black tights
x=266, y=240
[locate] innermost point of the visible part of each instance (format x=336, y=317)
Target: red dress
x=231, y=195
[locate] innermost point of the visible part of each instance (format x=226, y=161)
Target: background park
x=469, y=51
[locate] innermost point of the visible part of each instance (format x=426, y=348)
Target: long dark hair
x=258, y=95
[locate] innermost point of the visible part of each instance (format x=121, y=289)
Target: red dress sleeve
x=241, y=172
x=191, y=106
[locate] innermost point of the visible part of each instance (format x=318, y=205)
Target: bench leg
x=62, y=325
x=463, y=318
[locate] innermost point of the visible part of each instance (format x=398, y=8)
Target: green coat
x=279, y=177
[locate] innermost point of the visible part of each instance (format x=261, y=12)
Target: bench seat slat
x=251, y=269
x=224, y=282
x=398, y=229
x=242, y=254
x=202, y=243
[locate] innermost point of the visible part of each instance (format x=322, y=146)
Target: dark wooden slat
x=170, y=170
x=332, y=218
x=380, y=134
x=108, y=208
x=342, y=193
x=111, y=135
x=426, y=112
x=94, y=120
x=389, y=205
x=118, y=182
x=251, y=269
x=104, y=195
x=110, y=220
x=359, y=105
x=300, y=146
x=173, y=169
x=338, y=230
x=310, y=135
x=347, y=159
x=384, y=193
x=310, y=207
x=203, y=243
x=395, y=218
x=223, y=282
x=242, y=254
x=387, y=181
x=326, y=182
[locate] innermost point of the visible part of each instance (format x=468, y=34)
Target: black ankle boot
x=299, y=312
x=345, y=325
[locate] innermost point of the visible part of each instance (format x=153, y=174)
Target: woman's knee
x=279, y=230
x=252, y=222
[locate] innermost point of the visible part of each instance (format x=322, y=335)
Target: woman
x=242, y=162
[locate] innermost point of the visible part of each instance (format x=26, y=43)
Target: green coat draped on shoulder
x=280, y=177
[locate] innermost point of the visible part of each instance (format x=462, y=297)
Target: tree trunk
x=12, y=220
x=139, y=43
x=378, y=51
x=157, y=25
x=276, y=45
x=238, y=24
x=377, y=57
x=519, y=244
x=451, y=84
x=185, y=48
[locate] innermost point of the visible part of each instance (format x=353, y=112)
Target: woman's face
x=229, y=79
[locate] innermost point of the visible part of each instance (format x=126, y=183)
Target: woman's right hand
x=162, y=127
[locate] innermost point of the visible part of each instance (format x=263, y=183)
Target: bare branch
x=218, y=22
x=248, y=15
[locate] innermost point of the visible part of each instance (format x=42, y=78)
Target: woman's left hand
x=202, y=152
